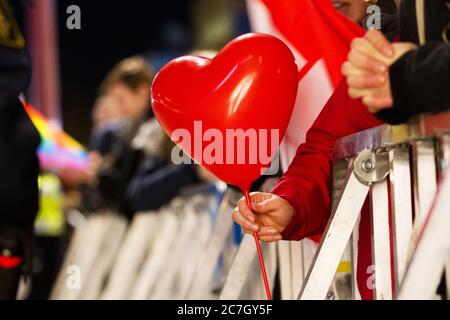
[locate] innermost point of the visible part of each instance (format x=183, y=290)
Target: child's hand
x=271, y=215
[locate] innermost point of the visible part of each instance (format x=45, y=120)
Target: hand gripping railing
x=398, y=168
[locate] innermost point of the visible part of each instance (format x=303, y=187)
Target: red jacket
x=307, y=183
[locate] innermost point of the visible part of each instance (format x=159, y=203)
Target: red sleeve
x=307, y=183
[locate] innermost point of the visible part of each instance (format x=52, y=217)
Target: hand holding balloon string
x=273, y=214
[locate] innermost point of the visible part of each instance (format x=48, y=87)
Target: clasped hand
x=367, y=69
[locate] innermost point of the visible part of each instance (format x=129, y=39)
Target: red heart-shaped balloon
x=229, y=113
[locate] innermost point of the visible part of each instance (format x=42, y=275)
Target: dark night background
x=160, y=30
x=111, y=30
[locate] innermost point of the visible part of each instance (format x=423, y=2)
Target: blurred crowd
x=129, y=163
x=129, y=168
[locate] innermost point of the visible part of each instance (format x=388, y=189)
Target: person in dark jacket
x=18, y=160
x=158, y=179
x=128, y=84
x=400, y=80
x=157, y=183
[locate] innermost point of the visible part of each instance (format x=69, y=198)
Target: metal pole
x=425, y=270
x=43, y=46
x=381, y=249
x=401, y=205
x=334, y=242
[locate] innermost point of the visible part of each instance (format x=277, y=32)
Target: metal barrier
x=90, y=256
x=186, y=250
x=397, y=167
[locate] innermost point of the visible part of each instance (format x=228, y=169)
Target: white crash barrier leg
x=447, y=276
x=244, y=280
x=401, y=205
x=425, y=181
x=381, y=250
x=369, y=167
x=432, y=251
x=97, y=255
x=193, y=254
x=201, y=283
x=182, y=256
x=285, y=269
x=93, y=246
x=302, y=254
x=238, y=274
x=154, y=262
x=336, y=237
x=354, y=259
x=104, y=261
x=76, y=242
x=444, y=164
x=254, y=287
x=309, y=250
x=270, y=255
x=290, y=268
x=136, y=244
x=180, y=235
x=342, y=286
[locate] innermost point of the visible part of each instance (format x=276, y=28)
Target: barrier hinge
x=371, y=166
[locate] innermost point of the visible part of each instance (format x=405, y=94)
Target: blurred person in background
x=413, y=79
x=106, y=111
x=106, y=117
x=115, y=160
x=158, y=180
x=18, y=161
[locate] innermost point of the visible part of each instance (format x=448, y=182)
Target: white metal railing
x=397, y=167
x=179, y=252
x=155, y=257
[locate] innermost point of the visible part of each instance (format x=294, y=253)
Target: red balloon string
x=260, y=255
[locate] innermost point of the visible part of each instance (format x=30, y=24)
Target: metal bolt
x=368, y=165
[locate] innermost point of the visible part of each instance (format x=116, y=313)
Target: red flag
x=320, y=39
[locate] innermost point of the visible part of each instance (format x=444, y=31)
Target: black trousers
x=19, y=168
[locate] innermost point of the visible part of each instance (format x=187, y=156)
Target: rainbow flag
x=57, y=151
